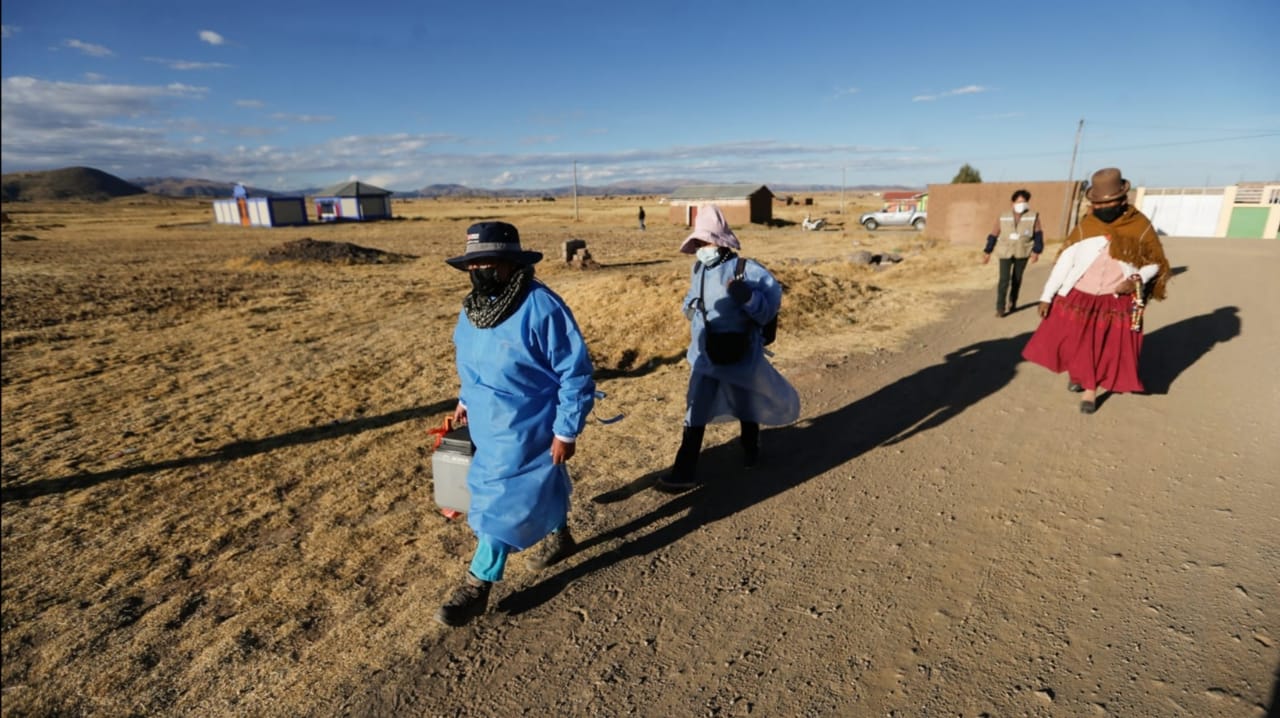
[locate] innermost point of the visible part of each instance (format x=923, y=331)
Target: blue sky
x=287, y=95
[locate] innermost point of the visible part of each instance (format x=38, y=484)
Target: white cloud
x=7, y=31
x=845, y=91
x=252, y=104
x=250, y=131
x=87, y=48
x=966, y=90
x=121, y=128
x=94, y=77
x=187, y=64
x=28, y=102
x=211, y=37
x=540, y=140
x=301, y=119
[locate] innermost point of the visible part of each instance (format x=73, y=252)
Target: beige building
x=965, y=213
x=1249, y=210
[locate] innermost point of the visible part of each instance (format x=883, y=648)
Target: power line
x=1188, y=142
x=1122, y=148
x=1182, y=129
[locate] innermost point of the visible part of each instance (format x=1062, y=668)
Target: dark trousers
x=1010, y=282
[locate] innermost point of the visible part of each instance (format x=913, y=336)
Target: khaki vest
x=1010, y=246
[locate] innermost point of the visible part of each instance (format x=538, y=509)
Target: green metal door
x=1247, y=222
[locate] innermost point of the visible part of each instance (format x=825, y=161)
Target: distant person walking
x=1016, y=236
x=1093, y=302
x=526, y=390
x=642, y=219
x=727, y=302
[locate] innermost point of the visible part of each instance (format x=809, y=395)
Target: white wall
x=1184, y=215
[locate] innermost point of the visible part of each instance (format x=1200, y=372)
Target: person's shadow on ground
x=794, y=454
x=230, y=452
x=1172, y=349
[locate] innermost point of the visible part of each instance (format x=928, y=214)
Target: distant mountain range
x=92, y=184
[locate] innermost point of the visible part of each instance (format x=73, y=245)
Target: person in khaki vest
x=1017, y=235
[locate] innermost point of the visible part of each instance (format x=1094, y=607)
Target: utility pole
x=1071, y=174
x=575, y=190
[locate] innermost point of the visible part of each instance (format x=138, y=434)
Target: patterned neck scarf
x=487, y=312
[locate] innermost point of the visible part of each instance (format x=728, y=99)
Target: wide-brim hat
x=710, y=227
x=494, y=240
x=1107, y=185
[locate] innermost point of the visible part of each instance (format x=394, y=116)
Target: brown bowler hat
x=1107, y=185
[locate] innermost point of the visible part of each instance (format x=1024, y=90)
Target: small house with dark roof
x=740, y=203
x=353, y=202
x=249, y=211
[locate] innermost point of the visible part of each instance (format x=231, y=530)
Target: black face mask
x=485, y=281
x=1109, y=214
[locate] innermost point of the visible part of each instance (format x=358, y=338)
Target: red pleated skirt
x=1089, y=337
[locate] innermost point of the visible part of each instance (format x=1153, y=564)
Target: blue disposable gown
x=523, y=383
x=751, y=389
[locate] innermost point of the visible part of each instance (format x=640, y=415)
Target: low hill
x=84, y=183
x=193, y=187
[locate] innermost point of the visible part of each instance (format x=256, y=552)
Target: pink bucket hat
x=711, y=228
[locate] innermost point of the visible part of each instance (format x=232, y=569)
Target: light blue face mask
x=708, y=254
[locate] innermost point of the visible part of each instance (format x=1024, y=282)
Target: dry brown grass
x=217, y=494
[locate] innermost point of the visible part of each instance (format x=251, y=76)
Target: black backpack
x=768, y=330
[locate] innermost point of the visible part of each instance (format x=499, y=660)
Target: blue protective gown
x=523, y=383
x=751, y=389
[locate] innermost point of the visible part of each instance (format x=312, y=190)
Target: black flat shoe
x=1088, y=407
x=1074, y=388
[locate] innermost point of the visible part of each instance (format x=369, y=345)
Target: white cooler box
x=449, y=464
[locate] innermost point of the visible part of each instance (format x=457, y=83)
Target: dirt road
x=942, y=534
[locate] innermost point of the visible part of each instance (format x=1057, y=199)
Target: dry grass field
x=216, y=476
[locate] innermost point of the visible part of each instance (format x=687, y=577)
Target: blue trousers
x=490, y=559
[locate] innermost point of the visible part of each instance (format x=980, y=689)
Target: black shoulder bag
x=725, y=347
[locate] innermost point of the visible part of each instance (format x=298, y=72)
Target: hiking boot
x=556, y=547
x=465, y=603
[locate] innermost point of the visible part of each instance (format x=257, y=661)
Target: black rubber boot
x=684, y=474
x=750, y=443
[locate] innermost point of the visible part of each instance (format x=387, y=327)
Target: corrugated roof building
x=740, y=203
x=353, y=202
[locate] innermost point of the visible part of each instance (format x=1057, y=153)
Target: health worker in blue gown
x=526, y=390
x=729, y=302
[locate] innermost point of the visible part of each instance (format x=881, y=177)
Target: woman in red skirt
x=1092, y=303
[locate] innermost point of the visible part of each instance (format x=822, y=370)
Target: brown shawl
x=1133, y=240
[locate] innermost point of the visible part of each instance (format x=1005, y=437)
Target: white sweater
x=1074, y=262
